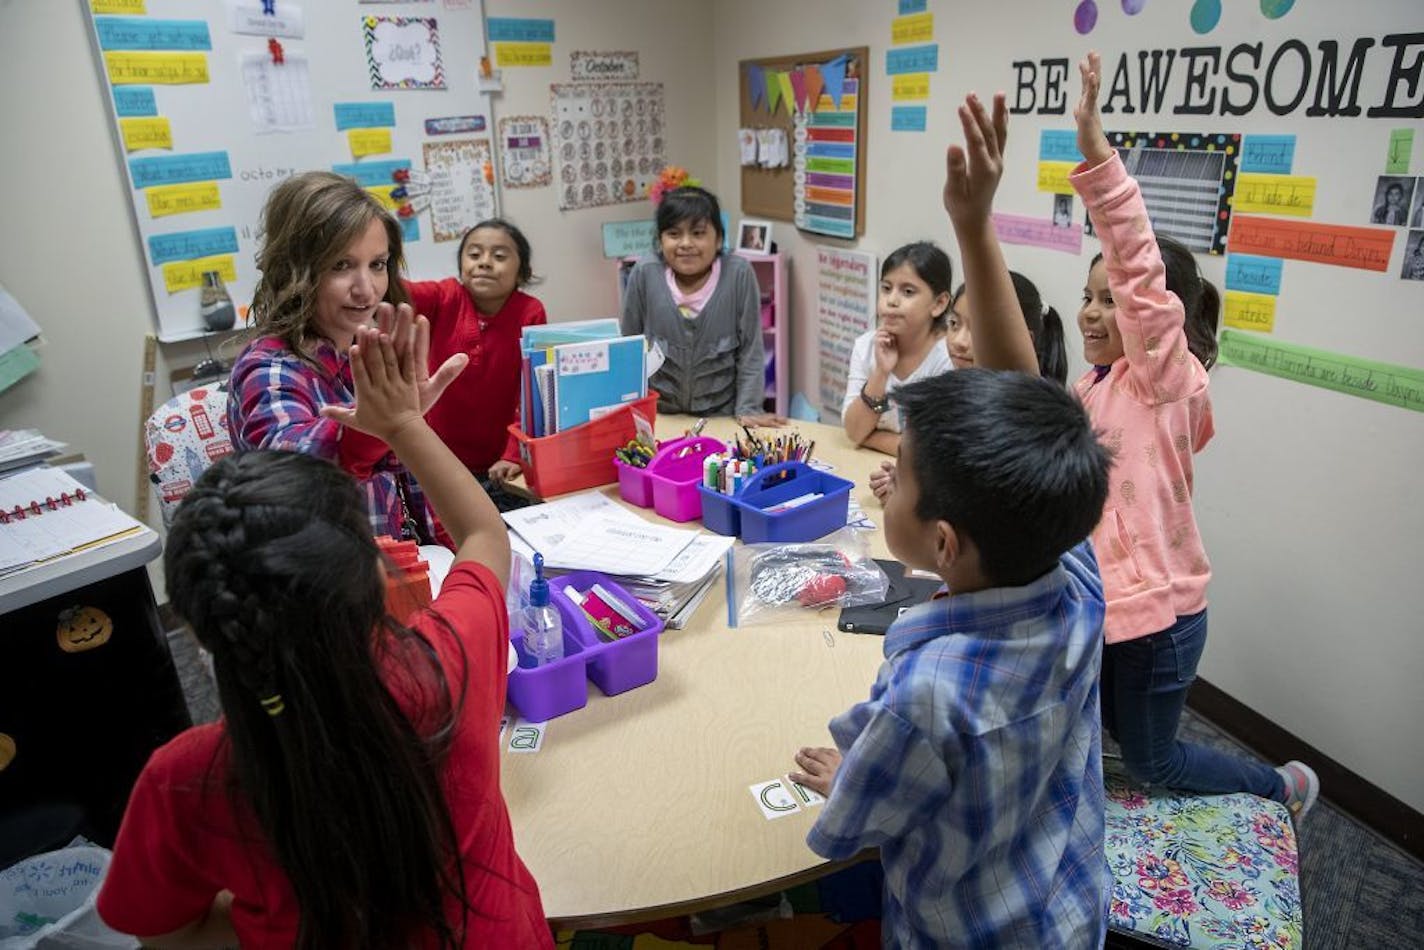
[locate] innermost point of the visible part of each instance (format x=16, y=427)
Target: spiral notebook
x=45, y=513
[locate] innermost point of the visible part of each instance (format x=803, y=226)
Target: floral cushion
x=1218, y=871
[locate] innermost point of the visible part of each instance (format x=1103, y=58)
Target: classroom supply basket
x=669, y=483
x=541, y=693
x=746, y=514
x=581, y=457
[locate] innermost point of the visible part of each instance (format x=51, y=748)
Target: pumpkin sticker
x=83, y=628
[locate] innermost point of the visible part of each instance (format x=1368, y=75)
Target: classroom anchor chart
x=609, y=140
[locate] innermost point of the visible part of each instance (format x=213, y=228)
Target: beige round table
x=638, y=806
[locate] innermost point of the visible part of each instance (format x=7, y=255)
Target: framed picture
x=754, y=236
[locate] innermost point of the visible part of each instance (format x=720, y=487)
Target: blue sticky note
x=129, y=32
x=912, y=6
x=516, y=30
x=912, y=59
x=134, y=100
x=364, y=115
x=1058, y=145
x=175, y=169
x=1271, y=154
x=1252, y=274
x=370, y=174
x=907, y=118
x=187, y=245
x=410, y=229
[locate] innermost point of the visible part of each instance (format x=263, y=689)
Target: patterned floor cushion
x=1211, y=871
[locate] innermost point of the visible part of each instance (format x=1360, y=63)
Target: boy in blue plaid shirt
x=975, y=766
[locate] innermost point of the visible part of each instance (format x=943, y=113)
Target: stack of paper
x=574, y=372
x=22, y=448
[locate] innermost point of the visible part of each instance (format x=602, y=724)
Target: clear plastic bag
x=769, y=582
x=48, y=901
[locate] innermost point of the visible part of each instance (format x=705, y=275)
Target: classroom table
x=638, y=805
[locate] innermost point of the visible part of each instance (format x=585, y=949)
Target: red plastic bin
x=581, y=457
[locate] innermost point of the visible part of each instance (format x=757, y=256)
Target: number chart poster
x=609, y=140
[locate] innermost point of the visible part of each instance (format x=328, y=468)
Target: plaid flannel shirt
x=276, y=400
x=976, y=768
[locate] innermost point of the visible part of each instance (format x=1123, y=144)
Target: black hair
x=1045, y=326
x=1008, y=459
x=690, y=203
x=521, y=245
x=933, y=267
x=1200, y=299
x=270, y=559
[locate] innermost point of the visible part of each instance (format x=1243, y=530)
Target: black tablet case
x=904, y=592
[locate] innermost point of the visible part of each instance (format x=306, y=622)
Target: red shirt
x=181, y=841
x=474, y=414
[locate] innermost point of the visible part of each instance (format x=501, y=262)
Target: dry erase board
x=213, y=102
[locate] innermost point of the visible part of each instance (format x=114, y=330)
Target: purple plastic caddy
x=669, y=484
x=541, y=693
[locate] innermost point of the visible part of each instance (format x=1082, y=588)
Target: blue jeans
x=1144, y=688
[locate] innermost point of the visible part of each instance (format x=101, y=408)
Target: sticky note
x=163, y=68
x=1401, y=150
x=369, y=141
x=1053, y=177
x=1382, y=382
x=165, y=200
x=912, y=59
x=382, y=194
x=1275, y=194
x=364, y=115
x=372, y=173
x=1059, y=145
x=117, y=6
x=116, y=32
x=1270, y=154
x=912, y=6
x=523, y=54
x=186, y=275
x=915, y=28
x=172, y=169
x=908, y=118
x=500, y=29
x=1252, y=274
x=909, y=87
x=1037, y=232
x=186, y=245
x=1337, y=244
x=1249, y=311
x=152, y=132
x=134, y=101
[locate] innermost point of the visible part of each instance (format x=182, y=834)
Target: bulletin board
x=791, y=193
x=213, y=102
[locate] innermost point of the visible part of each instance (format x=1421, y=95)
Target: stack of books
x=574, y=372
x=25, y=448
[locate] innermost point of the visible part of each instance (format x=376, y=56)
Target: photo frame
x=754, y=236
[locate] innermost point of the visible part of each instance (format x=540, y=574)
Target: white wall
x=1303, y=497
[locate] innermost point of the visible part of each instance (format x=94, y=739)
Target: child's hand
x=407, y=332
x=1091, y=140
x=882, y=481
x=763, y=420
x=973, y=171
x=387, y=386
x=504, y=471
x=887, y=352
x=820, y=769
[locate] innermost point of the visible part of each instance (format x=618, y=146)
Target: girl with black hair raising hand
x=350, y=795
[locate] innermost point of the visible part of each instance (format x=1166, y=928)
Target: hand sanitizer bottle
x=543, y=629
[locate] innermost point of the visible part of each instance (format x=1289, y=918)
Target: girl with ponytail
x=349, y=796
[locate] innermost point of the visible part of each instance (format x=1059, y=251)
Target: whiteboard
x=223, y=148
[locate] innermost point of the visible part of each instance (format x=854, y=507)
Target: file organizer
x=544, y=692
x=669, y=484
x=744, y=515
x=581, y=457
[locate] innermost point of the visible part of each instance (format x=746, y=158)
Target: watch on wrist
x=877, y=406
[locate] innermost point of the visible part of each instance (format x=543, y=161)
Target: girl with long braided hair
x=350, y=795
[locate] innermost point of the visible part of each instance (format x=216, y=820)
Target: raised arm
x=1001, y=338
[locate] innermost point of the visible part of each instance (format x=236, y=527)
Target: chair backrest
x=182, y=438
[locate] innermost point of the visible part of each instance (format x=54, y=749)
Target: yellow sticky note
x=1053, y=177
x=910, y=86
x=185, y=275
x=1275, y=194
x=383, y=195
x=180, y=199
x=916, y=28
x=1250, y=311
x=147, y=132
x=117, y=6
x=369, y=141
x=523, y=54
x=127, y=67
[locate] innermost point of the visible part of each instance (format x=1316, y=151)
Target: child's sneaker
x=1302, y=787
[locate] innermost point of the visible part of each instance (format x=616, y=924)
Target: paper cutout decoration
x=834, y=74
x=1036, y=232
x=773, y=91
x=148, y=132
x=788, y=96
x=1401, y=149
x=517, y=55
x=756, y=87
x=798, y=88
x=365, y=142
x=181, y=199
x=1255, y=312
x=188, y=275
x=403, y=52
x=168, y=69
x=1320, y=243
x=1251, y=274
x=1383, y=382
x=1268, y=154
x=186, y=245
x=814, y=85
